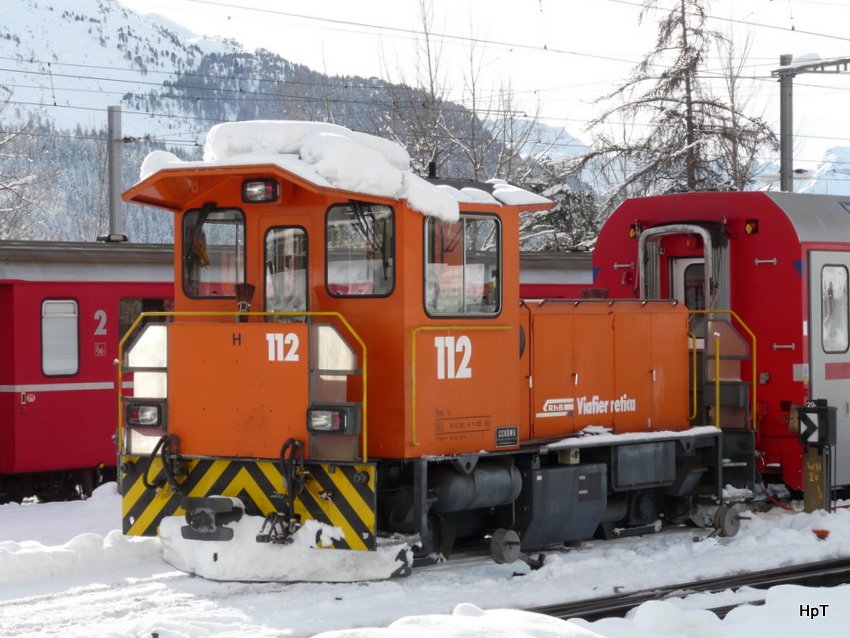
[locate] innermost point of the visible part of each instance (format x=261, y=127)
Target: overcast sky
x=557, y=55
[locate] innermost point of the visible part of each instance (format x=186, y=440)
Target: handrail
x=694, y=407
x=336, y=315
x=754, y=342
x=717, y=380
x=414, y=331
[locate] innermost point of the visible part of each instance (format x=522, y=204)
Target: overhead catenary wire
x=415, y=34
x=324, y=99
x=451, y=37
x=148, y=114
x=760, y=25
x=176, y=142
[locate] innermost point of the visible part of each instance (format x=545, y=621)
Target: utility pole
x=113, y=155
x=786, y=72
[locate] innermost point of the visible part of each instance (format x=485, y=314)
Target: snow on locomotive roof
x=333, y=156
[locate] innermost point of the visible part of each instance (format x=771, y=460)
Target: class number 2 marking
x=100, y=317
x=453, y=357
x=283, y=346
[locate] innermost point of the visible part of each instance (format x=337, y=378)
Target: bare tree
x=479, y=134
x=745, y=136
x=417, y=104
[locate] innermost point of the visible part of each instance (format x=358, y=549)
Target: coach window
x=59, y=337
x=130, y=308
x=213, y=252
x=286, y=270
x=462, y=266
x=360, y=256
x=834, y=298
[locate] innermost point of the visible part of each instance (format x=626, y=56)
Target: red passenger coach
x=775, y=264
x=63, y=309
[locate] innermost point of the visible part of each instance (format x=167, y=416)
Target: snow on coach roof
x=332, y=156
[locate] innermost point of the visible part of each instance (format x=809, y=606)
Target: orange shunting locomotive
x=349, y=354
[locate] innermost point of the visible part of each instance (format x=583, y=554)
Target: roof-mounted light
x=257, y=191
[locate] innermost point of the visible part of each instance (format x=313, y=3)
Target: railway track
x=819, y=574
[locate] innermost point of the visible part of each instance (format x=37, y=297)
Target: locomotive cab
x=349, y=350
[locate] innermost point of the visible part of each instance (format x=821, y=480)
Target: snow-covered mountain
x=553, y=142
x=63, y=62
x=832, y=177
x=68, y=60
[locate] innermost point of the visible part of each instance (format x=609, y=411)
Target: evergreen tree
x=574, y=221
x=684, y=137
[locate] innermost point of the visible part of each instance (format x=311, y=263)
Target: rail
x=821, y=573
x=237, y=316
x=754, y=360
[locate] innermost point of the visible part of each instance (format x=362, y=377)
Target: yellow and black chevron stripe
x=339, y=494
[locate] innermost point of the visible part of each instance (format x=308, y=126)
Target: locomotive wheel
x=726, y=521
x=504, y=546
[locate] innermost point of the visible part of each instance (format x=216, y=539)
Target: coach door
x=688, y=286
x=829, y=345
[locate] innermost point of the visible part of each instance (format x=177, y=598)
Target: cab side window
x=213, y=252
x=463, y=266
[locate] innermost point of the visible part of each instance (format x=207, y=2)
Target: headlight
x=334, y=418
x=144, y=415
x=325, y=420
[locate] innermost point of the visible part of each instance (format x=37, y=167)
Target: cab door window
x=462, y=266
x=213, y=252
x=286, y=270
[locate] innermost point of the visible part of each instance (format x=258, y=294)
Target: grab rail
x=237, y=316
x=754, y=359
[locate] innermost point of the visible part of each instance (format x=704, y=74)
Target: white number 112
x=283, y=347
x=448, y=365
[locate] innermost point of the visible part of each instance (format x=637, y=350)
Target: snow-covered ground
x=66, y=570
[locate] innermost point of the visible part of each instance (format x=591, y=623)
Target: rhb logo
x=557, y=407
